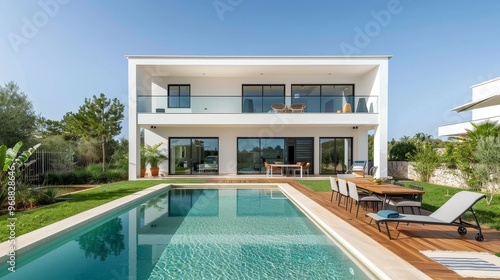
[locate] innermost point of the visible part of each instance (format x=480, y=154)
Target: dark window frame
x=179, y=96
x=320, y=155
x=262, y=95
x=321, y=93
x=170, y=139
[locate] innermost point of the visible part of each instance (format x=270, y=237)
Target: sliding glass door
x=335, y=155
x=193, y=156
x=253, y=152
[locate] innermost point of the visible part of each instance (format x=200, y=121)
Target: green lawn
x=434, y=197
x=28, y=221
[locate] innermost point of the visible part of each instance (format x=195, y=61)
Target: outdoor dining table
x=285, y=166
x=387, y=190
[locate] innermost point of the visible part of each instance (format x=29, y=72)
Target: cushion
x=388, y=213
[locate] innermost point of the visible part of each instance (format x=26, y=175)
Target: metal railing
x=243, y=104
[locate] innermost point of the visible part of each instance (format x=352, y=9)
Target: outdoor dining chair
x=335, y=188
x=343, y=192
x=354, y=195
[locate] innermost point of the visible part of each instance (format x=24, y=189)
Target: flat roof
x=259, y=57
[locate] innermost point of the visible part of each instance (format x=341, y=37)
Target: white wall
x=228, y=140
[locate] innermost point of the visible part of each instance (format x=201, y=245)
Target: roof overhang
x=482, y=103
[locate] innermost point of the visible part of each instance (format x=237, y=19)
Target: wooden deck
x=408, y=240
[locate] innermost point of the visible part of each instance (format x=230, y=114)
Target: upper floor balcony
x=161, y=104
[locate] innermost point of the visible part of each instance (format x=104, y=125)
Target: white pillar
x=133, y=129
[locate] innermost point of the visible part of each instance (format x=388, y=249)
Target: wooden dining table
x=385, y=189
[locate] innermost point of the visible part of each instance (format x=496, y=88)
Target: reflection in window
x=335, y=155
x=259, y=98
x=193, y=156
x=252, y=152
x=179, y=96
x=323, y=98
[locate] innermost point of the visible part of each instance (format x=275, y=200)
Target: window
x=258, y=98
x=335, y=154
x=179, y=96
x=193, y=156
x=253, y=152
x=323, y=98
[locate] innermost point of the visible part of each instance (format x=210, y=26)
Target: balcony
x=147, y=104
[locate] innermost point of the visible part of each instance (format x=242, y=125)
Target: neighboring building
x=214, y=114
x=485, y=106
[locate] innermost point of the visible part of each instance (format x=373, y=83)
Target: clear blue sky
x=63, y=51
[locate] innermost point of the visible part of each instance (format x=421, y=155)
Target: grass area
x=30, y=220
x=434, y=197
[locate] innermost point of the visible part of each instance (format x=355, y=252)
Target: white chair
x=335, y=188
x=343, y=192
x=411, y=201
x=354, y=195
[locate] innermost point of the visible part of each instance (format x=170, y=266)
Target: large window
x=258, y=98
x=179, y=96
x=323, y=98
x=193, y=156
x=253, y=152
x=335, y=155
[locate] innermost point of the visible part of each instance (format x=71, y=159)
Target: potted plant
x=154, y=156
x=143, y=161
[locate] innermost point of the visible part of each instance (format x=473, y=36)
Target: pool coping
x=364, y=249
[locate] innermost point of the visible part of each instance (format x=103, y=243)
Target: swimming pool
x=247, y=233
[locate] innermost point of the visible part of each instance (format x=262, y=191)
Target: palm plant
x=153, y=156
x=462, y=151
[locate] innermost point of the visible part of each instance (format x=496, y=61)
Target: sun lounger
x=448, y=214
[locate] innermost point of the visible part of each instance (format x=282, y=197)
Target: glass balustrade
x=247, y=105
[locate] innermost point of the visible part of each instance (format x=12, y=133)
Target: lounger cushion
x=388, y=214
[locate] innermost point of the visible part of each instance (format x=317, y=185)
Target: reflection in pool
x=196, y=234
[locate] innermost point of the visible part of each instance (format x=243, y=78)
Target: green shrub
x=82, y=176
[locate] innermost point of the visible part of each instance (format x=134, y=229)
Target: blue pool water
x=195, y=234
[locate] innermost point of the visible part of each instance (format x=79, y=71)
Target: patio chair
x=297, y=107
x=335, y=188
x=449, y=214
x=305, y=169
x=354, y=195
x=357, y=168
x=279, y=107
x=343, y=192
x=273, y=168
x=372, y=170
x=411, y=201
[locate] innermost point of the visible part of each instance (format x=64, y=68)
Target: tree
x=17, y=115
x=488, y=166
x=425, y=161
x=99, y=119
x=46, y=127
x=402, y=151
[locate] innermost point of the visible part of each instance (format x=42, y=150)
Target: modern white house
x=227, y=115
x=485, y=106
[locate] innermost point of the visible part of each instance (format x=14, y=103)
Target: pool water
x=196, y=234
